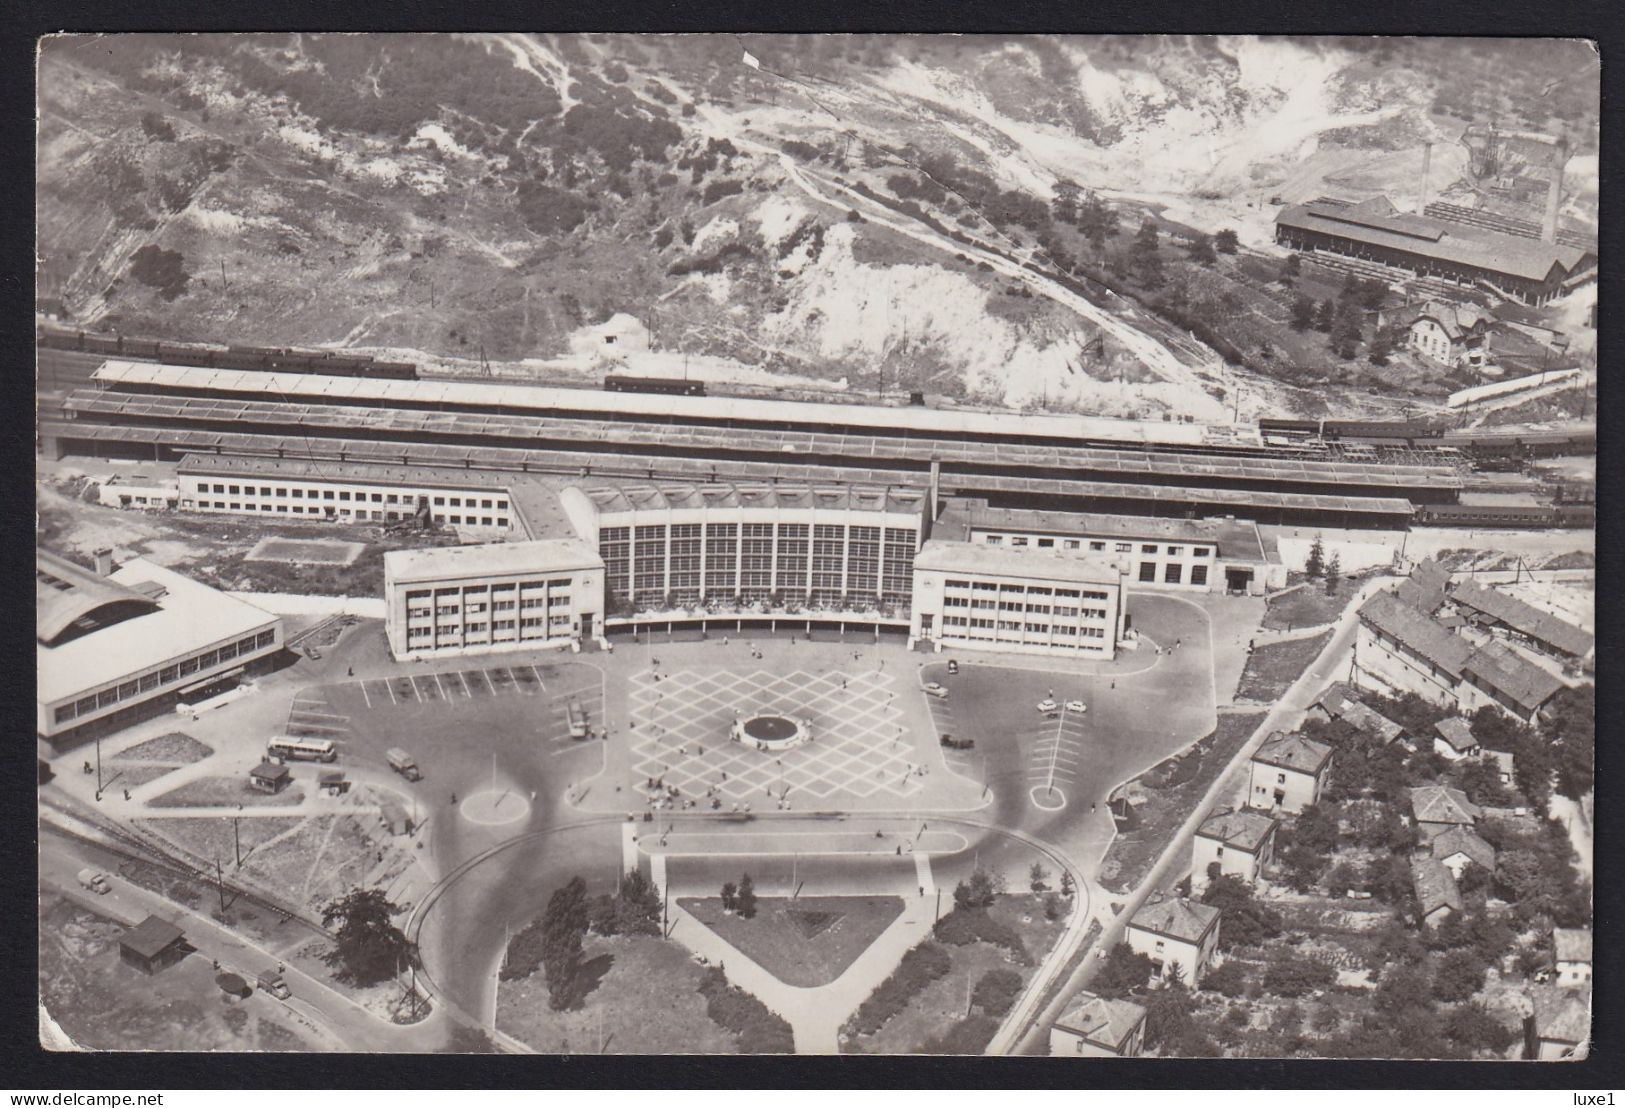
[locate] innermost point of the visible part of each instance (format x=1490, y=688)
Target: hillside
x=955, y=215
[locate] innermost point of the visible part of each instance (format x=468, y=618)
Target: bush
x=921, y=966
x=964, y=926
x=1295, y=977
x=996, y=991
x=164, y=270
x=1123, y=972
x=716, y=190
x=1228, y=980
x=760, y=1029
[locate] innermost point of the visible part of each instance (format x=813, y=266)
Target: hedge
x=919, y=967
x=760, y=1029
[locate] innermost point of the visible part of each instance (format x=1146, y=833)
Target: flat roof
x=627, y=498
x=666, y=437
x=1235, y=540
x=945, y=556
x=489, y=560
x=189, y=617
x=660, y=405
x=151, y=936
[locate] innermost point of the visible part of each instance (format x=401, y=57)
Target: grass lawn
x=646, y=1002
x=210, y=792
x=324, y=858
x=175, y=748
x=1172, y=789
x=128, y=777
x=946, y=1000
x=806, y=942
x=210, y=837
x=1273, y=667
x=1308, y=606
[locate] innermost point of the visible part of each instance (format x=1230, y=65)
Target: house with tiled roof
x=1449, y=334
x=1340, y=702
x=1425, y=589
x=1176, y=932
x=1459, y=847
x=1453, y=738
x=1401, y=647
x=1559, y=1024
x=1098, y=1027
x=1571, y=955
x=1239, y=843
x=1437, y=895
x=1438, y=808
x=1289, y=772
x=1523, y=622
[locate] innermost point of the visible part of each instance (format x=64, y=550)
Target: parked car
x=1047, y=705
x=934, y=689
x=271, y=982
x=1076, y=706
x=96, y=881
x=957, y=744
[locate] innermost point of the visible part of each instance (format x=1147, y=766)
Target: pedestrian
x=725, y=640
x=126, y=794
x=88, y=768
x=1114, y=682
x=349, y=671
x=922, y=890
x=1091, y=807
x=454, y=799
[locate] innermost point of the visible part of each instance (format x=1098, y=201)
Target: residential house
x=1239, y=843
x=1339, y=702
x=1460, y=847
x=1523, y=622
x=1176, y=932
x=1571, y=955
x=1450, y=334
x=1289, y=772
x=1426, y=588
x=1098, y=1027
x=1558, y=1027
x=1438, y=808
x=1454, y=739
x=1437, y=895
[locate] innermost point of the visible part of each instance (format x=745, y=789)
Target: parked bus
x=578, y=719
x=291, y=749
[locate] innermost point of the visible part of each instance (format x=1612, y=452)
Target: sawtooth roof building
x=1374, y=230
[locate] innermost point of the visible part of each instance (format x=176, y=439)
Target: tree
x=1170, y=1027
x=1473, y=1028
x=367, y=947
x=1295, y=977
x=1569, y=727
x=1123, y=972
x=1334, y=572
x=633, y=910
x=155, y=126
x=1382, y=348
x=1303, y=314
x=1038, y=878
x=1316, y=565
x=1229, y=979
x=1459, y=975
x=1227, y=242
x=1201, y=250
x=1066, y=883
x=1325, y=315
x=1247, y=921
x=164, y=270
x=979, y=891
x=747, y=897
x=730, y=896
x=996, y=991
x=564, y=924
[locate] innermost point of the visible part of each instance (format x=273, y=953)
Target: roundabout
x=772, y=733
x=494, y=807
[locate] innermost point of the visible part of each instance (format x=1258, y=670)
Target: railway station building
x=115, y=646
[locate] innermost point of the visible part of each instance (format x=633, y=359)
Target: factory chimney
x=1422, y=192
x=1554, y=192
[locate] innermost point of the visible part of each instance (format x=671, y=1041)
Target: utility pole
x=99, y=785
x=237, y=840
x=220, y=885
x=224, y=283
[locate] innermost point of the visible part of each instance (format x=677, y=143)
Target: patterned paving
x=682, y=721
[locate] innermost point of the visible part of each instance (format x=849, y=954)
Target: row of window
x=497, y=503
x=1008, y=605
x=145, y=684
x=1045, y=542
x=1173, y=573
x=481, y=632
x=359, y=513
